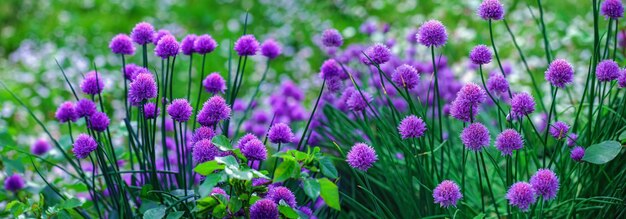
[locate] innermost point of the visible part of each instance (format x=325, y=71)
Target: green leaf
x=228, y=161
x=330, y=193
x=603, y=152
x=300, y=156
x=328, y=168
x=175, y=215
x=16, y=208
x=209, y=182
x=286, y=170
x=238, y=174
x=479, y=216
x=70, y=203
x=234, y=204
x=222, y=143
x=219, y=211
x=311, y=188
x=154, y=213
x=287, y=211
x=622, y=137
x=208, y=167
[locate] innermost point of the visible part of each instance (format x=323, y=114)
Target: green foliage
x=603, y=152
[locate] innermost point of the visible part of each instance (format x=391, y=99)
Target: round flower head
x=405, y=76
x=254, y=149
x=151, y=111
x=368, y=27
x=472, y=93
x=186, y=46
x=14, y=183
x=179, y=110
x=279, y=193
x=93, y=83
x=378, y=53
x=159, y=35
x=475, y=137
x=497, y=84
x=578, y=153
x=545, y=183
x=280, y=133
x=358, y=102
x=463, y=110
x=122, y=44
x=447, y=194
x=621, y=80
x=99, y=122
x=522, y=105
x=559, y=130
x=213, y=110
x=432, y=33
x=361, y=156
x=85, y=108
x=412, y=127
x=131, y=71
x=84, y=145
x=607, y=70
x=613, y=9
x=246, y=45
x=508, y=141
x=330, y=69
x=142, y=88
x=204, y=151
x=560, y=73
x=40, y=147
x=332, y=38
x=202, y=133
x=245, y=139
x=491, y=10
x=204, y=44
x=264, y=209
x=214, y=83
x=167, y=47
x=571, y=139
x=521, y=195
x=480, y=55
x=66, y=112
x=143, y=33
x=270, y=49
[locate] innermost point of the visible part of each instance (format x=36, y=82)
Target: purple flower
x=270, y=49
x=187, y=44
x=66, y=112
x=40, y=147
x=99, y=122
x=577, y=153
x=559, y=130
x=131, y=71
x=245, y=139
x=14, y=183
x=497, y=84
x=607, y=70
x=280, y=133
x=84, y=145
x=571, y=140
x=560, y=73
x=432, y=33
x=332, y=38
x=378, y=53
x=357, y=102
x=92, y=83
x=330, y=69
x=202, y=133
x=368, y=27
x=491, y=10
x=85, y=108
x=361, y=156
x=204, y=151
x=463, y=110
x=213, y=111
x=472, y=93
x=264, y=209
x=122, y=44
x=447, y=194
x=613, y=9
x=254, y=149
x=522, y=105
x=219, y=191
x=412, y=127
x=279, y=193
x=214, y=83
x=246, y=45
x=621, y=80
x=411, y=37
x=405, y=76
x=204, y=44
x=150, y=110
x=545, y=183
x=508, y=141
x=521, y=195
x=480, y=55
x=143, y=33
x=167, y=47
x=475, y=137
x=142, y=88
x=179, y=110
x=159, y=35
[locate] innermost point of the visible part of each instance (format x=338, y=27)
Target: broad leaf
x=286, y=170
x=208, y=167
x=328, y=168
x=238, y=174
x=175, y=215
x=287, y=211
x=311, y=188
x=228, y=161
x=70, y=203
x=209, y=182
x=330, y=193
x=155, y=213
x=222, y=143
x=603, y=152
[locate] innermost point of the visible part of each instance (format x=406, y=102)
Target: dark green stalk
x=195, y=109
x=495, y=52
x=480, y=182
x=275, y=161
x=546, y=43
x=256, y=91
x=306, y=128
x=493, y=198
x=545, y=136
